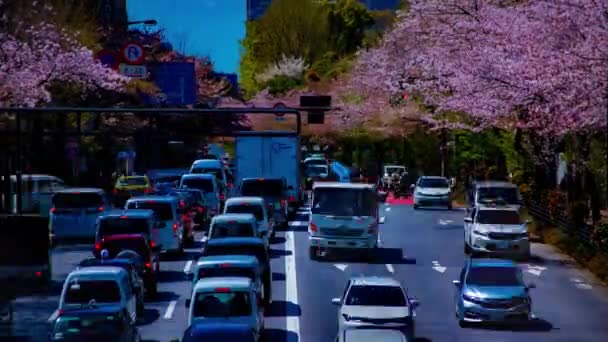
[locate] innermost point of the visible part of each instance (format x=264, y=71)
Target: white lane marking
x=291, y=284
x=382, y=219
x=444, y=222
x=437, y=267
x=298, y=223
x=379, y=240
x=390, y=268
x=388, y=209
x=341, y=267
x=188, y=266
x=535, y=270
x=580, y=284
x=53, y=317
x=170, y=309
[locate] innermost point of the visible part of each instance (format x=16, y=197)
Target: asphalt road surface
x=423, y=249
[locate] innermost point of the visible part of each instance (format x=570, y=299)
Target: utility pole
x=444, y=147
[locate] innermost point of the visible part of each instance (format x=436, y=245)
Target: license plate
x=503, y=245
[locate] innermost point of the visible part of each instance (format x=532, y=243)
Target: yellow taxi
x=129, y=186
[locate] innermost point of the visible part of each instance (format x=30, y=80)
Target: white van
x=37, y=191
x=482, y=193
x=208, y=185
x=169, y=237
x=75, y=211
x=102, y=286
x=344, y=216
x=210, y=166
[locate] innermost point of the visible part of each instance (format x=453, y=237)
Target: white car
x=496, y=230
x=432, y=191
x=376, y=302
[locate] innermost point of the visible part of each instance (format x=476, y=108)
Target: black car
x=94, y=324
x=219, y=332
x=199, y=204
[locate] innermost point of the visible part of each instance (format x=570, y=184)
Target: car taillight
x=38, y=274
x=97, y=246
x=283, y=202
x=100, y=209
x=175, y=227
x=222, y=289
x=146, y=190
x=201, y=209
x=53, y=209
x=182, y=204
x=221, y=196
x=313, y=227
x=152, y=244
x=292, y=198
x=148, y=265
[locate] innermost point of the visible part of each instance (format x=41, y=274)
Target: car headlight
x=479, y=232
x=471, y=299
x=346, y=317
x=523, y=235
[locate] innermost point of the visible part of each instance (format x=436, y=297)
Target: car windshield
x=210, y=171
x=203, y=184
x=433, y=183
x=494, y=276
x=498, y=217
x=226, y=271
x=133, y=181
x=344, y=202
x=115, y=226
x=316, y=170
x=375, y=296
x=89, y=325
x=220, y=304
x=255, y=209
x=262, y=187
x=115, y=246
x=77, y=200
x=259, y=251
x=232, y=229
x=84, y=291
x=195, y=195
x=162, y=209
x=315, y=162
x=508, y=195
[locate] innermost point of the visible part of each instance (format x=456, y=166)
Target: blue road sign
x=177, y=81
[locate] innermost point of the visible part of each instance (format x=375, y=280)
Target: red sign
x=279, y=105
x=133, y=53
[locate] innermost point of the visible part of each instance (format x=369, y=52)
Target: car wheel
x=467, y=248
x=415, y=206
x=312, y=253
x=463, y=323
x=450, y=206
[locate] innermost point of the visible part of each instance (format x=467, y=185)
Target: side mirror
x=414, y=303
x=412, y=187
x=456, y=283
x=468, y=219
x=336, y=301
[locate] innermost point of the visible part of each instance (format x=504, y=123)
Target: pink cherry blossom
x=539, y=64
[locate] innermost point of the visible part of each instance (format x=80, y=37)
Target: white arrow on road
x=437, y=267
x=382, y=219
x=445, y=222
x=535, y=270
x=341, y=267
x=388, y=209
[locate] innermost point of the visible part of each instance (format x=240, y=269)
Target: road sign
x=134, y=71
x=176, y=80
x=108, y=58
x=279, y=116
x=133, y=53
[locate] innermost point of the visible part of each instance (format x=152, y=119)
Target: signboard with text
x=133, y=71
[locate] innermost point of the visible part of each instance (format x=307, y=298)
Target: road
x=423, y=249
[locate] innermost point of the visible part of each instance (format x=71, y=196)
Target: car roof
x=246, y=199
x=133, y=177
x=261, y=179
x=432, y=177
x=198, y=328
x=235, y=283
x=487, y=262
x=98, y=270
x=76, y=191
x=199, y=176
x=130, y=213
x=494, y=184
x=364, y=335
x=497, y=208
x=235, y=241
x=35, y=177
x=396, y=166
x=240, y=260
x=375, y=280
x=115, y=262
x=210, y=162
x=342, y=185
x=163, y=199
x=233, y=217
x=92, y=310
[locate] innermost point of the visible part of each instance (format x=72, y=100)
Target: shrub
x=599, y=266
x=281, y=84
x=600, y=236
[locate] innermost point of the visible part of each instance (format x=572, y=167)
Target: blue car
x=219, y=332
x=93, y=323
x=492, y=290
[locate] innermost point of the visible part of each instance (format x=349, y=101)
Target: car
x=244, y=246
x=132, y=221
x=172, y=237
x=492, y=290
x=199, y=206
x=496, y=230
x=257, y=207
x=388, y=175
x=103, y=286
x=344, y=217
x=315, y=173
x=135, y=271
x=275, y=193
x=234, y=225
x=220, y=331
x=209, y=185
x=488, y=192
x=365, y=335
x=94, y=323
x=74, y=213
x=227, y=299
x=138, y=243
x=376, y=302
x=129, y=186
x=231, y=266
x=432, y=191
x=213, y=167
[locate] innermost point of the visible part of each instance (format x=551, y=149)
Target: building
x=256, y=8
x=112, y=12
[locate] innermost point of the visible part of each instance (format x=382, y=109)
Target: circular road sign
x=279, y=105
x=108, y=58
x=133, y=53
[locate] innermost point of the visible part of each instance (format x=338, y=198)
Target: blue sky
x=204, y=27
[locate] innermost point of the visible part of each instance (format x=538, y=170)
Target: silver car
x=366, y=335
x=432, y=191
x=376, y=302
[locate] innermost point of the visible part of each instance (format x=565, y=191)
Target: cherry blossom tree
x=538, y=64
x=34, y=58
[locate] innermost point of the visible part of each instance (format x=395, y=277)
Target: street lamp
x=145, y=22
